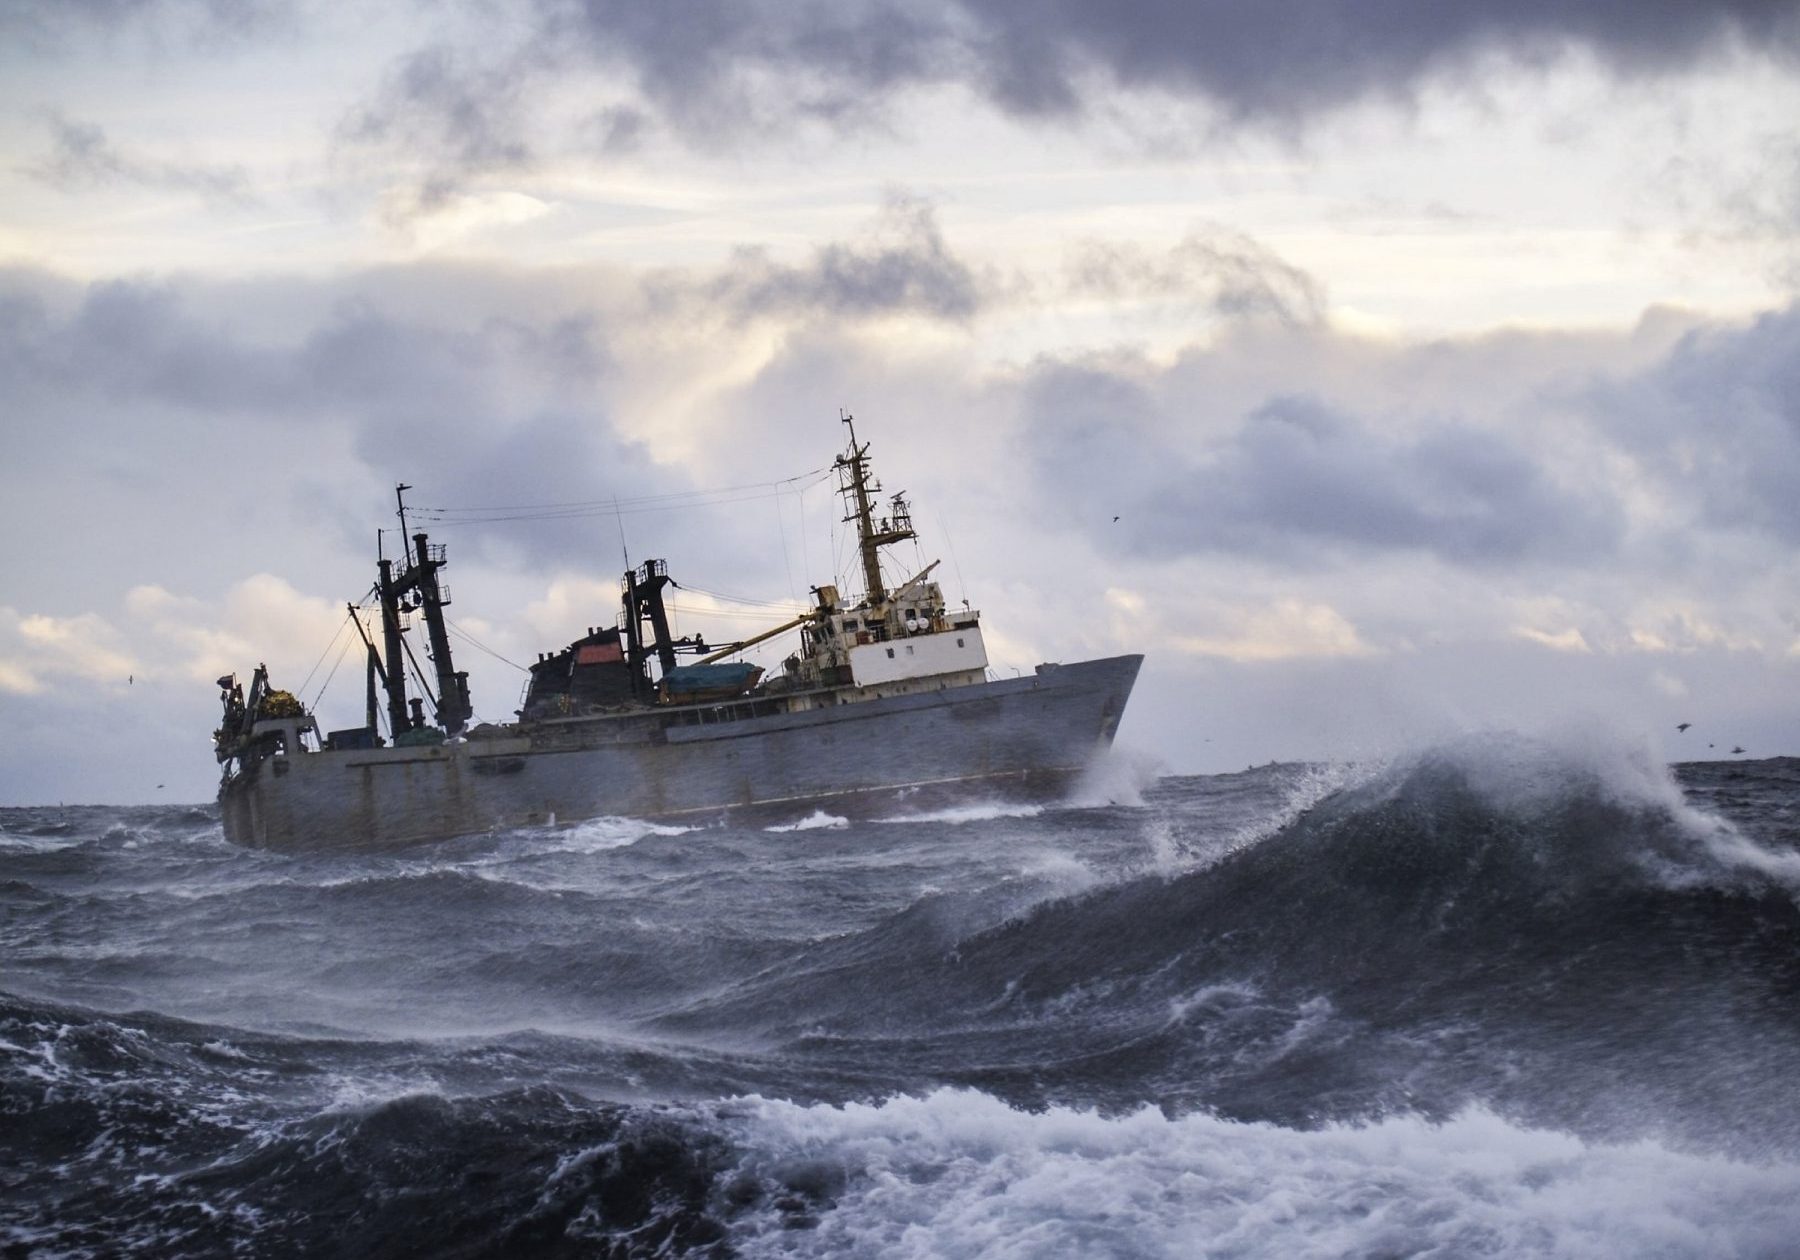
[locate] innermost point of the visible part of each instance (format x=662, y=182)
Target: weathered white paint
x=918, y=656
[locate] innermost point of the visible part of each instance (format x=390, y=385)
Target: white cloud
x=1683, y=626
x=1567, y=640
x=460, y=216
x=1285, y=630
x=171, y=638
x=37, y=651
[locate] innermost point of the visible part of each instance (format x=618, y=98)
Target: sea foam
x=959, y=1173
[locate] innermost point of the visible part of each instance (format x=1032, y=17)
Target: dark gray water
x=1505, y=998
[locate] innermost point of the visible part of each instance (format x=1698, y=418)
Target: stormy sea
x=1505, y=997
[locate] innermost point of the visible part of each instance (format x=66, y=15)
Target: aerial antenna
x=400, y=498
x=857, y=487
x=619, y=516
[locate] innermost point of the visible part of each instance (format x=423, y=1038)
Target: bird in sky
x=1682, y=726
x=1737, y=748
x=1115, y=520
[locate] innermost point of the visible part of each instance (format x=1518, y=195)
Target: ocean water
x=1506, y=997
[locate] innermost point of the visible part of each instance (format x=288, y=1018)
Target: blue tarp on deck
x=685, y=680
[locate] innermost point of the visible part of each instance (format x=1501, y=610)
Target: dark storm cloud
x=503, y=414
x=698, y=59
x=1222, y=270
x=618, y=129
x=1300, y=482
x=497, y=412
x=1290, y=58
x=50, y=26
x=1280, y=59
x=146, y=342
x=488, y=412
x=900, y=266
x=132, y=342
x=81, y=158
x=713, y=71
x=1718, y=425
x=717, y=72
x=461, y=118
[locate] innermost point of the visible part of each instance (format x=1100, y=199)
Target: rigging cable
x=734, y=599
x=473, y=642
x=691, y=611
x=800, y=511
x=672, y=501
x=348, y=644
x=419, y=675
x=963, y=591
x=781, y=533
x=322, y=655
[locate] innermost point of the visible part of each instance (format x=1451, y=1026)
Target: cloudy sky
x=1440, y=363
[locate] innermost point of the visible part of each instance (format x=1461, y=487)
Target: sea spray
x=1505, y=995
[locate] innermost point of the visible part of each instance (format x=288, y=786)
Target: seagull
x=1115, y=520
x=1682, y=726
x=1737, y=748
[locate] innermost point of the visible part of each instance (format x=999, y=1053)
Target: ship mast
x=394, y=678
x=420, y=579
x=857, y=486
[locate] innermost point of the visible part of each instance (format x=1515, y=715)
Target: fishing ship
x=885, y=699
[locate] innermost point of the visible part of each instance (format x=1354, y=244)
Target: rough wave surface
x=1505, y=997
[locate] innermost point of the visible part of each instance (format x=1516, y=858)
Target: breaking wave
x=1506, y=996
x=957, y=1173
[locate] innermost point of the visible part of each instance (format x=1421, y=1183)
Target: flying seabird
x=1682, y=726
x=1737, y=748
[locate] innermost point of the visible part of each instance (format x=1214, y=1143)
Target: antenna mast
x=418, y=583
x=400, y=490
x=856, y=485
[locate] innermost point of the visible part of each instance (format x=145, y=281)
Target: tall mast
x=375, y=671
x=395, y=678
x=420, y=580
x=855, y=483
x=453, y=685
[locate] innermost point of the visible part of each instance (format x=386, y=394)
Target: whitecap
x=981, y=811
x=959, y=1173
x=812, y=822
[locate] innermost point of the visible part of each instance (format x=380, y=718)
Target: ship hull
x=1018, y=736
